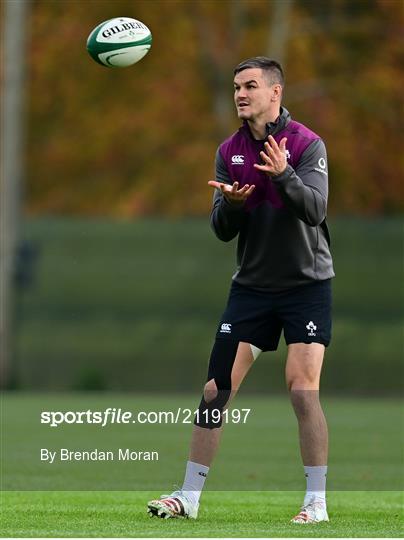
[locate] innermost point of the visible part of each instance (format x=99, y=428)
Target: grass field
x=366, y=438
x=222, y=514
x=247, y=486
x=107, y=298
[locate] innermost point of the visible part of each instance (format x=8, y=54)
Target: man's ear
x=276, y=92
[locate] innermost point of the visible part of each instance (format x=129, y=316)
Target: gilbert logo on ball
x=119, y=42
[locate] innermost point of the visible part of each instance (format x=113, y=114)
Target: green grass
x=247, y=496
x=222, y=514
x=108, y=298
x=366, y=439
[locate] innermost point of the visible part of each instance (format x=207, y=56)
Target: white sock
x=315, y=480
x=195, y=476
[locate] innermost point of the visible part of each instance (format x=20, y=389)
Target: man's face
x=253, y=95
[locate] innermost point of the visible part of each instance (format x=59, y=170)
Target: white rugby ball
x=119, y=42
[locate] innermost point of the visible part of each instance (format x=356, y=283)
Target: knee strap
x=209, y=414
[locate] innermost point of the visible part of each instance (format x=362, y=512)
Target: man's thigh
x=303, y=366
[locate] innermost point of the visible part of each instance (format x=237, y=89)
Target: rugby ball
x=119, y=42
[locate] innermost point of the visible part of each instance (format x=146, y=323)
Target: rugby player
x=271, y=190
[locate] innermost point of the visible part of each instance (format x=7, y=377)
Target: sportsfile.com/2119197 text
x=113, y=415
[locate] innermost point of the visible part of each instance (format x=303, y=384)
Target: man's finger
x=215, y=184
x=269, y=149
x=266, y=158
x=273, y=143
x=282, y=145
x=244, y=189
x=264, y=168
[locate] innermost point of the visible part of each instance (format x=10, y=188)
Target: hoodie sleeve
x=304, y=190
x=226, y=217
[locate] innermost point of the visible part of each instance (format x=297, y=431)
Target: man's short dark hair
x=271, y=68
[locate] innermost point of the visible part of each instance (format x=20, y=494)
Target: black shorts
x=256, y=317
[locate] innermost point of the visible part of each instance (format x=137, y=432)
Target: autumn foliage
x=141, y=140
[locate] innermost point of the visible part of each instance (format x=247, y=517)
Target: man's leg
x=205, y=441
x=303, y=369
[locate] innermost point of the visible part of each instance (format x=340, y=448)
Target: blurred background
x=110, y=276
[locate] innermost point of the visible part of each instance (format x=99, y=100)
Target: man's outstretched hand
x=232, y=193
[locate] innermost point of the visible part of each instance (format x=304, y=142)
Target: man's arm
x=304, y=190
x=228, y=203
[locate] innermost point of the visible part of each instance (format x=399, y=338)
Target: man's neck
x=258, y=127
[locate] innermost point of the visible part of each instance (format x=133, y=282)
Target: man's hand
x=274, y=157
x=232, y=193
